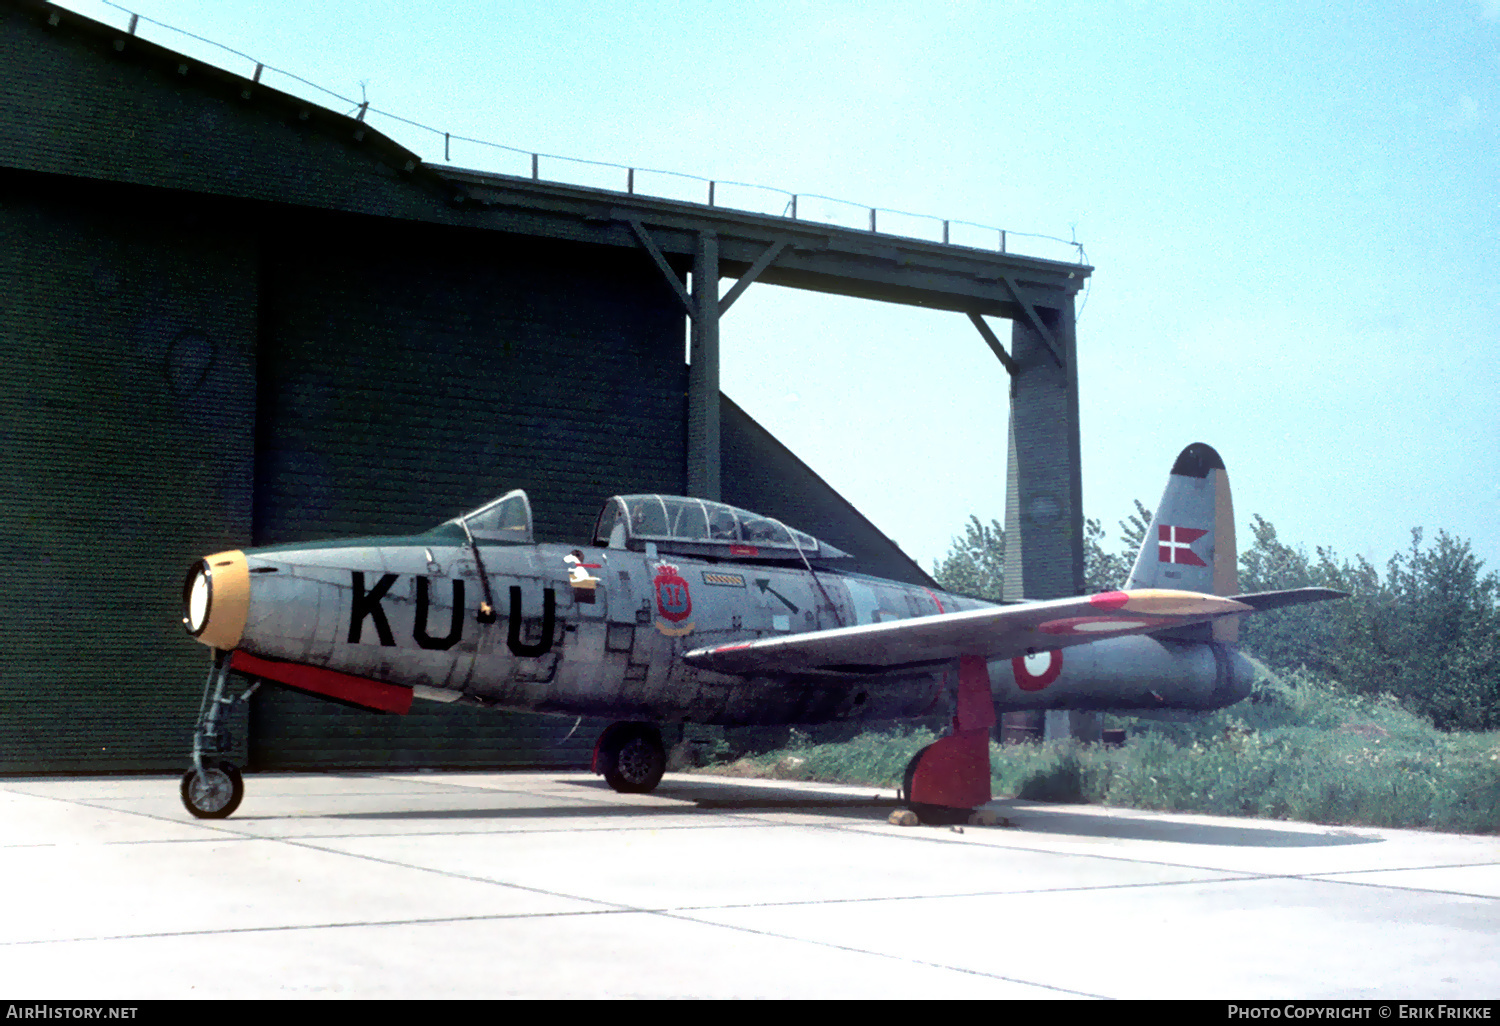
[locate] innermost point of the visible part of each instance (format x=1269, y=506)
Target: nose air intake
x=216, y=599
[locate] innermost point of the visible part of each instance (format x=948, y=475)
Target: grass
x=1299, y=749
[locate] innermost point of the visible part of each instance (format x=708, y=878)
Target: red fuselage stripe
x=372, y=694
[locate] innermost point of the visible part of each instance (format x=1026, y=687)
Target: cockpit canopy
x=507, y=519
x=693, y=527
x=698, y=527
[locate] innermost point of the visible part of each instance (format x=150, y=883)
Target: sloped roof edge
x=756, y=426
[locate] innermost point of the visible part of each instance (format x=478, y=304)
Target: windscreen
x=508, y=518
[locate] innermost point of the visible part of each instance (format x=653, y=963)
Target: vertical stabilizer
x=1190, y=543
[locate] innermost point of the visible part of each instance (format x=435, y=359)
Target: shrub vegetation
x=1300, y=749
x=1381, y=710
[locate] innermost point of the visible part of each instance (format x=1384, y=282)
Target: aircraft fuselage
x=408, y=610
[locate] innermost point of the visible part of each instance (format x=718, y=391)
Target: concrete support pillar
x=703, y=373
x=1044, y=481
x=1062, y=724
x=1044, y=485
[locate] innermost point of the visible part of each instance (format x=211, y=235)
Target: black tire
x=911, y=771
x=216, y=793
x=632, y=757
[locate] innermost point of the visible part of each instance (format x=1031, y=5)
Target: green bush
x=1301, y=748
x=878, y=759
x=1425, y=631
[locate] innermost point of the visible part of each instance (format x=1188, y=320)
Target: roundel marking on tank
x=1036, y=670
x=1092, y=625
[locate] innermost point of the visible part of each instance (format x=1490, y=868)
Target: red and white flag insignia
x=1174, y=544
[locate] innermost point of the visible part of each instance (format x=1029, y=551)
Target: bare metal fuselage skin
x=407, y=611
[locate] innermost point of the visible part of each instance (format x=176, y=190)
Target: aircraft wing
x=1002, y=632
x=1260, y=601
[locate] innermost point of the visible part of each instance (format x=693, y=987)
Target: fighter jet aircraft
x=683, y=610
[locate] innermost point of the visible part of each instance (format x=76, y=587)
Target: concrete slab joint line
x=341, y=883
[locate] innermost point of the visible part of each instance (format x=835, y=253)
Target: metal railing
x=513, y=160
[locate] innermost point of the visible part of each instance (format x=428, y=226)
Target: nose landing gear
x=213, y=788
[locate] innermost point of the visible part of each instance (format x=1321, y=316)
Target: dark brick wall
x=410, y=373
x=292, y=731
x=197, y=353
x=72, y=103
x=127, y=332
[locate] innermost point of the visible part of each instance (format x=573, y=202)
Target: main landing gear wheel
x=215, y=793
x=631, y=757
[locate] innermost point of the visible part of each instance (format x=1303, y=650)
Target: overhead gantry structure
x=1044, y=515
x=355, y=169
x=135, y=170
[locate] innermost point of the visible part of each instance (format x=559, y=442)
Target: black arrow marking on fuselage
x=764, y=584
x=368, y=604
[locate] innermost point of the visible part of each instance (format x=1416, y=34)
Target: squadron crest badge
x=673, y=601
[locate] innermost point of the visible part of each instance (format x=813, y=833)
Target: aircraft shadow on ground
x=709, y=795
x=686, y=798
x=1083, y=823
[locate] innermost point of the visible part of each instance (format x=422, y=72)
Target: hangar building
x=233, y=317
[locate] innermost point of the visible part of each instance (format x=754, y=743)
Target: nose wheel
x=213, y=792
x=212, y=789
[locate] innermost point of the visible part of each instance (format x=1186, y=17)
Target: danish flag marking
x=1174, y=544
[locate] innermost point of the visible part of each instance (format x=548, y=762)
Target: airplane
x=682, y=610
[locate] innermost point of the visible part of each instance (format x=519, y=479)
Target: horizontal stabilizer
x=1260, y=601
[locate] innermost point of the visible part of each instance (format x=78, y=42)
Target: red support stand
x=951, y=776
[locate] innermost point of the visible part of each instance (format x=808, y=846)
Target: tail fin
x=1190, y=543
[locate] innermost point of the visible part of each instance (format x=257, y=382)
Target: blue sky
x=1292, y=210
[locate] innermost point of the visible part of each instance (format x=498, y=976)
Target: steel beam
x=1034, y=321
x=661, y=263
x=1044, y=519
x=748, y=278
x=994, y=343
x=703, y=453
x=819, y=257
